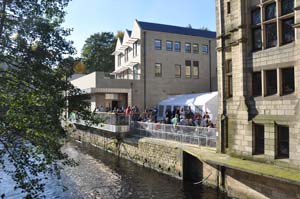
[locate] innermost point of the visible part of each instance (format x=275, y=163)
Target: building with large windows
x=258, y=50
x=154, y=61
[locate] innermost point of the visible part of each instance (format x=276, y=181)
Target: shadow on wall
x=248, y=185
x=192, y=168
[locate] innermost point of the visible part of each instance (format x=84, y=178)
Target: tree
x=97, y=50
x=33, y=46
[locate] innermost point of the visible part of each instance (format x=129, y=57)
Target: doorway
x=114, y=104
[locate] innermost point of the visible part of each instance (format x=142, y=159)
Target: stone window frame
x=158, y=73
x=188, y=65
x=157, y=47
x=205, y=48
x=256, y=138
x=269, y=92
x=228, y=78
x=280, y=81
x=169, y=48
x=135, y=50
x=175, y=44
x=256, y=93
x=196, y=66
x=278, y=20
x=187, y=47
x=228, y=4
x=178, y=75
x=120, y=59
x=126, y=55
x=196, y=48
x=279, y=141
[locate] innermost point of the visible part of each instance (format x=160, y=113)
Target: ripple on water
x=103, y=175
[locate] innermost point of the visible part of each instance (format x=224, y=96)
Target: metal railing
x=113, y=118
x=201, y=136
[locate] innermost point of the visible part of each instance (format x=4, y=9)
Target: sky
x=87, y=17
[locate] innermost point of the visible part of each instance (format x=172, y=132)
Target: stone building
x=258, y=52
x=153, y=61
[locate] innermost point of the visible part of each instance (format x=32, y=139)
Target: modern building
x=152, y=62
x=258, y=50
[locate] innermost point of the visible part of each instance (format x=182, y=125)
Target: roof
x=176, y=29
x=129, y=32
x=187, y=99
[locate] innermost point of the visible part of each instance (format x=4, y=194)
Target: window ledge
x=287, y=45
x=291, y=96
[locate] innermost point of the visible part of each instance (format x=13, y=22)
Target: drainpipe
x=209, y=54
x=144, y=54
x=224, y=124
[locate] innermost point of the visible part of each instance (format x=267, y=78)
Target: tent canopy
x=189, y=99
x=197, y=101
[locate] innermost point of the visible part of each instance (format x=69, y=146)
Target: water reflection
x=103, y=175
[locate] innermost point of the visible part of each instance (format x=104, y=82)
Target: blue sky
x=87, y=17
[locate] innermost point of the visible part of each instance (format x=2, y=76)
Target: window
x=177, y=70
x=282, y=141
x=177, y=46
x=270, y=12
x=259, y=139
x=256, y=84
x=287, y=6
x=188, y=69
x=256, y=41
x=157, y=44
x=205, y=49
x=256, y=30
x=255, y=16
x=119, y=59
x=288, y=33
x=195, y=48
x=271, y=35
x=135, y=72
x=158, y=70
x=126, y=55
x=169, y=45
x=228, y=78
x=275, y=29
x=228, y=7
x=195, y=69
x=135, y=49
x=188, y=47
x=288, y=80
x=271, y=82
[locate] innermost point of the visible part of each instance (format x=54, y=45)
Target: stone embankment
x=239, y=178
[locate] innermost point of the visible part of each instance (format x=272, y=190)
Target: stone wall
x=155, y=155
x=167, y=157
x=240, y=184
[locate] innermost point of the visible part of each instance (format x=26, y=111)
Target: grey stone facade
x=242, y=110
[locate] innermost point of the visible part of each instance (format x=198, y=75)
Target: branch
x=3, y=17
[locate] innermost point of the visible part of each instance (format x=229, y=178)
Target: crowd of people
x=179, y=116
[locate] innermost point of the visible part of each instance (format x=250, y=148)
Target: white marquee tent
x=199, y=102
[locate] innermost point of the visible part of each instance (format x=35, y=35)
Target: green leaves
x=97, y=50
x=32, y=88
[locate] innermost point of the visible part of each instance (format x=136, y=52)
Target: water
x=103, y=175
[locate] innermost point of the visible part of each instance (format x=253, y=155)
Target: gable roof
x=176, y=29
x=129, y=32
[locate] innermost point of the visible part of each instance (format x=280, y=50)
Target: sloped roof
x=176, y=29
x=129, y=32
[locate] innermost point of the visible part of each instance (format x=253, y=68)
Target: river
x=105, y=176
